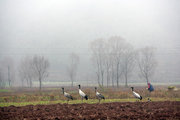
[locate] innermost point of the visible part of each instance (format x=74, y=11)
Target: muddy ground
x=111, y=111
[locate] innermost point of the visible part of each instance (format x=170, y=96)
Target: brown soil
x=111, y=111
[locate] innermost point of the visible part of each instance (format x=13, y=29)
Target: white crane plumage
x=98, y=95
x=136, y=95
x=67, y=95
x=82, y=94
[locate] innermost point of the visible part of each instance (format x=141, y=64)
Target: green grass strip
x=90, y=101
x=5, y=90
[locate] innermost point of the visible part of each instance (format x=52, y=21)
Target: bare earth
x=111, y=111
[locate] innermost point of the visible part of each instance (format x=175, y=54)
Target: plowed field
x=111, y=111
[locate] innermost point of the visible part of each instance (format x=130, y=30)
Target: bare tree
x=98, y=59
x=72, y=67
x=26, y=72
x=21, y=76
x=40, y=67
x=97, y=72
x=112, y=72
x=128, y=61
x=8, y=70
x=108, y=57
x=2, y=83
x=108, y=61
x=116, y=45
x=146, y=62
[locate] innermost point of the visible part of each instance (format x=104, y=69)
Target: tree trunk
x=126, y=78
x=98, y=79
x=40, y=83
x=112, y=77
x=117, y=76
x=107, y=77
x=107, y=81
x=22, y=83
x=72, y=83
x=30, y=83
x=102, y=78
x=9, y=80
x=147, y=79
x=113, y=81
x=146, y=76
x=27, y=81
x=117, y=83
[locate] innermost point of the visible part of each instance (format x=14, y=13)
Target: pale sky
x=56, y=28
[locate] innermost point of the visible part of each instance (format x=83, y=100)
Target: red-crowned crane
x=67, y=95
x=98, y=95
x=136, y=95
x=82, y=94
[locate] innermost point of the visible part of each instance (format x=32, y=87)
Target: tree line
x=113, y=59
x=29, y=69
x=33, y=68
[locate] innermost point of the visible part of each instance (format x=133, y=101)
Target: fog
x=57, y=28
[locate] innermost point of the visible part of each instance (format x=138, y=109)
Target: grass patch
x=90, y=101
x=5, y=90
x=32, y=96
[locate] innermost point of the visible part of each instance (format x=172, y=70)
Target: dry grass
x=55, y=94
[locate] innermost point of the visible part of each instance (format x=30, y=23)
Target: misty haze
x=95, y=42
x=90, y=59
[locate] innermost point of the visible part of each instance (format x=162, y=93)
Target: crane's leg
x=82, y=99
x=99, y=100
